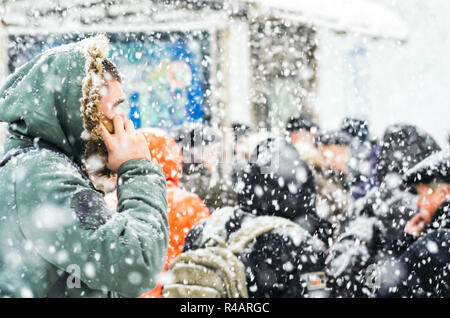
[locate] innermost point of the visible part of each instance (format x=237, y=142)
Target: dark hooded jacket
x=277, y=185
x=194, y=139
x=388, y=206
x=421, y=266
x=389, y=249
x=277, y=181
x=53, y=222
x=276, y=262
x=402, y=147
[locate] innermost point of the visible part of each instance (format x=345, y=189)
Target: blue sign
x=164, y=74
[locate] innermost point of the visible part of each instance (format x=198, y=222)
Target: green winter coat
x=53, y=222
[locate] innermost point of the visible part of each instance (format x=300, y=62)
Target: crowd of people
x=371, y=214
x=91, y=207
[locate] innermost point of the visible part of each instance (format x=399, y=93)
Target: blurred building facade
x=261, y=69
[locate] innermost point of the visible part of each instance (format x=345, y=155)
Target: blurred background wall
x=262, y=69
x=388, y=82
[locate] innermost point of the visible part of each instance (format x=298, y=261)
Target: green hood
x=53, y=100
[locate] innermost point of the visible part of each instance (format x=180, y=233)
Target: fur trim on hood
x=53, y=101
x=95, y=153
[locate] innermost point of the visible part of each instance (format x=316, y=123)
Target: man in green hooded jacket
x=57, y=237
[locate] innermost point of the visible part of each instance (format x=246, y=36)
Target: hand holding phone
x=124, y=144
x=108, y=123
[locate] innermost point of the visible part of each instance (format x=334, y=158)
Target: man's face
x=112, y=97
x=302, y=136
x=431, y=196
x=336, y=156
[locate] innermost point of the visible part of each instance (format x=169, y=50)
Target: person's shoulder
x=46, y=162
x=43, y=157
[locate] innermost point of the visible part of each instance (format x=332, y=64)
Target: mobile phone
x=107, y=123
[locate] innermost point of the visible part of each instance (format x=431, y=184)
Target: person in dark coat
x=399, y=262
x=332, y=179
x=301, y=128
x=301, y=132
x=200, y=145
x=424, y=255
x=364, y=153
x=403, y=146
x=277, y=181
x=277, y=263
x=388, y=201
x=356, y=128
x=422, y=271
x=281, y=262
x=377, y=229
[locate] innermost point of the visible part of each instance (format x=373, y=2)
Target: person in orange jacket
x=185, y=209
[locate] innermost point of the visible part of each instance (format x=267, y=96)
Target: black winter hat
x=356, y=128
x=287, y=191
x=402, y=147
x=300, y=122
x=332, y=138
x=434, y=169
